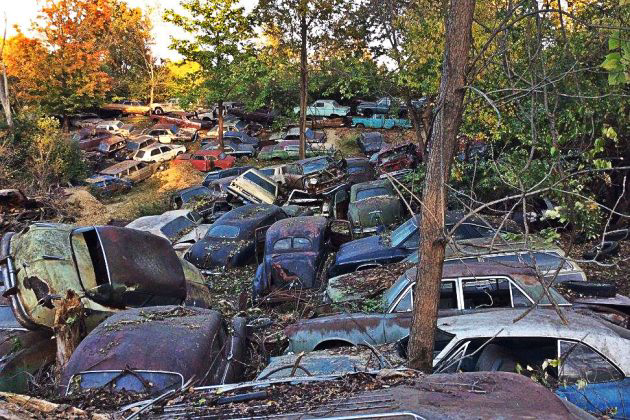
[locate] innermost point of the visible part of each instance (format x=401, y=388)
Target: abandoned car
x=217, y=174
x=168, y=133
x=107, y=185
x=229, y=242
x=359, y=170
x=183, y=119
x=192, y=195
x=131, y=170
x=373, y=205
x=310, y=135
x=397, y=158
x=115, y=127
x=206, y=160
x=110, y=145
x=157, y=349
x=370, y=142
x=133, y=145
x=159, y=152
x=254, y=187
x=292, y=253
x=232, y=148
x=171, y=225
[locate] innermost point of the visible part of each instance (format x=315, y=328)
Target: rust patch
x=38, y=286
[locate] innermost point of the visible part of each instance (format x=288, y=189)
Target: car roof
x=368, y=185
x=542, y=323
x=303, y=226
x=112, y=140
x=234, y=134
x=248, y=214
x=120, y=166
x=164, y=126
x=150, y=222
x=140, y=139
x=154, y=146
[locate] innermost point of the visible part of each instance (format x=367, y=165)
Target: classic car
x=325, y=108
x=115, y=127
x=378, y=250
x=386, y=104
x=224, y=173
x=133, y=145
x=168, y=133
x=254, y=187
x=190, y=195
x=206, y=160
x=131, y=170
x=183, y=119
x=107, y=185
x=275, y=172
x=285, y=150
x=262, y=115
x=110, y=145
x=292, y=253
x=373, y=205
x=380, y=121
x=242, y=138
x=172, y=105
x=230, y=240
x=157, y=349
x=305, y=173
x=232, y=148
x=586, y=358
x=171, y=225
x=127, y=107
x=370, y=142
x=359, y=170
x=159, y=152
x=109, y=267
x=92, y=142
x=465, y=288
x=238, y=126
x=310, y=135
x=397, y=158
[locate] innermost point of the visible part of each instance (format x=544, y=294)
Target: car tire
x=333, y=116
x=495, y=358
x=602, y=251
x=158, y=111
x=617, y=235
x=588, y=288
x=360, y=126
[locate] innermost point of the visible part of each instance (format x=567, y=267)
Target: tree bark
x=416, y=120
x=303, y=82
x=68, y=328
x=220, y=133
x=4, y=83
x=442, y=147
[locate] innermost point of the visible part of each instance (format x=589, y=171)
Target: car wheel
x=360, y=126
x=602, y=251
x=495, y=358
x=158, y=111
x=588, y=288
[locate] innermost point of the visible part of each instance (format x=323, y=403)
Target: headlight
x=312, y=181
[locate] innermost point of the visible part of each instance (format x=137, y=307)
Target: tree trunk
x=303, y=84
x=67, y=328
x=220, y=133
x=442, y=147
x=4, y=97
x=416, y=120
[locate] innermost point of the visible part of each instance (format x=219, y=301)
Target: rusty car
x=192, y=196
x=110, y=145
x=374, y=205
x=171, y=225
x=168, y=133
x=156, y=349
x=311, y=136
x=254, y=187
x=109, y=267
x=133, y=145
x=107, y=186
x=359, y=170
x=131, y=170
x=371, y=142
x=183, y=119
x=218, y=174
x=90, y=142
x=229, y=241
x=232, y=148
x=206, y=160
x=292, y=253
x=397, y=158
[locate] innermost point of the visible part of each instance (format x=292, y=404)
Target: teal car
x=325, y=108
x=380, y=121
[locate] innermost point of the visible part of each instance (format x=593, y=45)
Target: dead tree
x=442, y=145
x=4, y=82
x=68, y=327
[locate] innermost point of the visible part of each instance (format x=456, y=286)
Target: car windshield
x=372, y=192
x=133, y=146
x=268, y=171
x=223, y=232
x=262, y=183
x=403, y=231
x=314, y=166
x=186, y=196
x=177, y=227
x=241, y=125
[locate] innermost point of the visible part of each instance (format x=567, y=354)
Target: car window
x=155, y=152
x=319, y=104
x=140, y=154
x=372, y=192
x=486, y=293
x=175, y=227
x=403, y=231
x=301, y=243
x=262, y=183
x=451, y=365
x=448, y=295
x=282, y=244
x=268, y=171
x=223, y=232
x=164, y=149
x=579, y=361
x=404, y=305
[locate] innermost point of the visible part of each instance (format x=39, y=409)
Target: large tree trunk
x=4, y=97
x=416, y=120
x=441, y=150
x=220, y=133
x=303, y=84
x=68, y=328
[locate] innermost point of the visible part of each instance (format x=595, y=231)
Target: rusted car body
x=224, y=173
x=359, y=170
x=206, y=160
x=182, y=119
x=370, y=142
x=292, y=253
x=92, y=141
x=131, y=170
x=133, y=145
x=397, y=158
x=110, y=145
x=168, y=133
x=157, y=349
x=109, y=267
x=254, y=187
x=229, y=242
x=263, y=115
x=171, y=225
x=373, y=205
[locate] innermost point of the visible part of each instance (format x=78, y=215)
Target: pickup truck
x=385, y=104
x=380, y=121
x=325, y=108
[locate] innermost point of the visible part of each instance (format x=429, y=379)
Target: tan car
x=131, y=170
x=254, y=187
x=128, y=107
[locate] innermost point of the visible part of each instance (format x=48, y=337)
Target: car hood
x=375, y=211
x=363, y=248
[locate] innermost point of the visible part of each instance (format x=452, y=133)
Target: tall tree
x=302, y=24
x=442, y=145
x=4, y=82
x=221, y=35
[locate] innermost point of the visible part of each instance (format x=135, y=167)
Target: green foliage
x=617, y=62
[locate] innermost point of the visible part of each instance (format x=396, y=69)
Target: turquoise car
x=325, y=108
x=380, y=121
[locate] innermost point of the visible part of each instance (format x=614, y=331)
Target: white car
x=172, y=105
x=275, y=172
x=159, y=152
x=115, y=127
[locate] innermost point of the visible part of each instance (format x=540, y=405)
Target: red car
x=397, y=158
x=207, y=160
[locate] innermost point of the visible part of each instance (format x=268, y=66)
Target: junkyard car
x=397, y=158
x=159, y=153
x=107, y=185
x=325, y=108
x=370, y=142
x=234, y=126
x=295, y=251
x=372, y=205
x=378, y=250
x=91, y=141
x=254, y=187
x=224, y=173
x=183, y=119
x=275, y=172
x=168, y=133
x=109, y=267
x=233, y=149
x=380, y=121
x=115, y=127
x=386, y=105
x=311, y=136
x=315, y=173
x=128, y=107
x=206, y=160
x=587, y=357
x=230, y=240
x=131, y=170
x=110, y=145
x=172, y=105
x=133, y=145
x=242, y=138
x=187, y=196
x=261, y=115
x=359, y=170
x=285, y=150
x=171, y=225
x=157, y=349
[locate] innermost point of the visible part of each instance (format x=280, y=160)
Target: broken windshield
x=403, y=232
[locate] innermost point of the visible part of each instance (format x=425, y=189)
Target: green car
x=284, y=151
x=373, y=204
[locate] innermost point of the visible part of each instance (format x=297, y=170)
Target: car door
x=156, y=155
